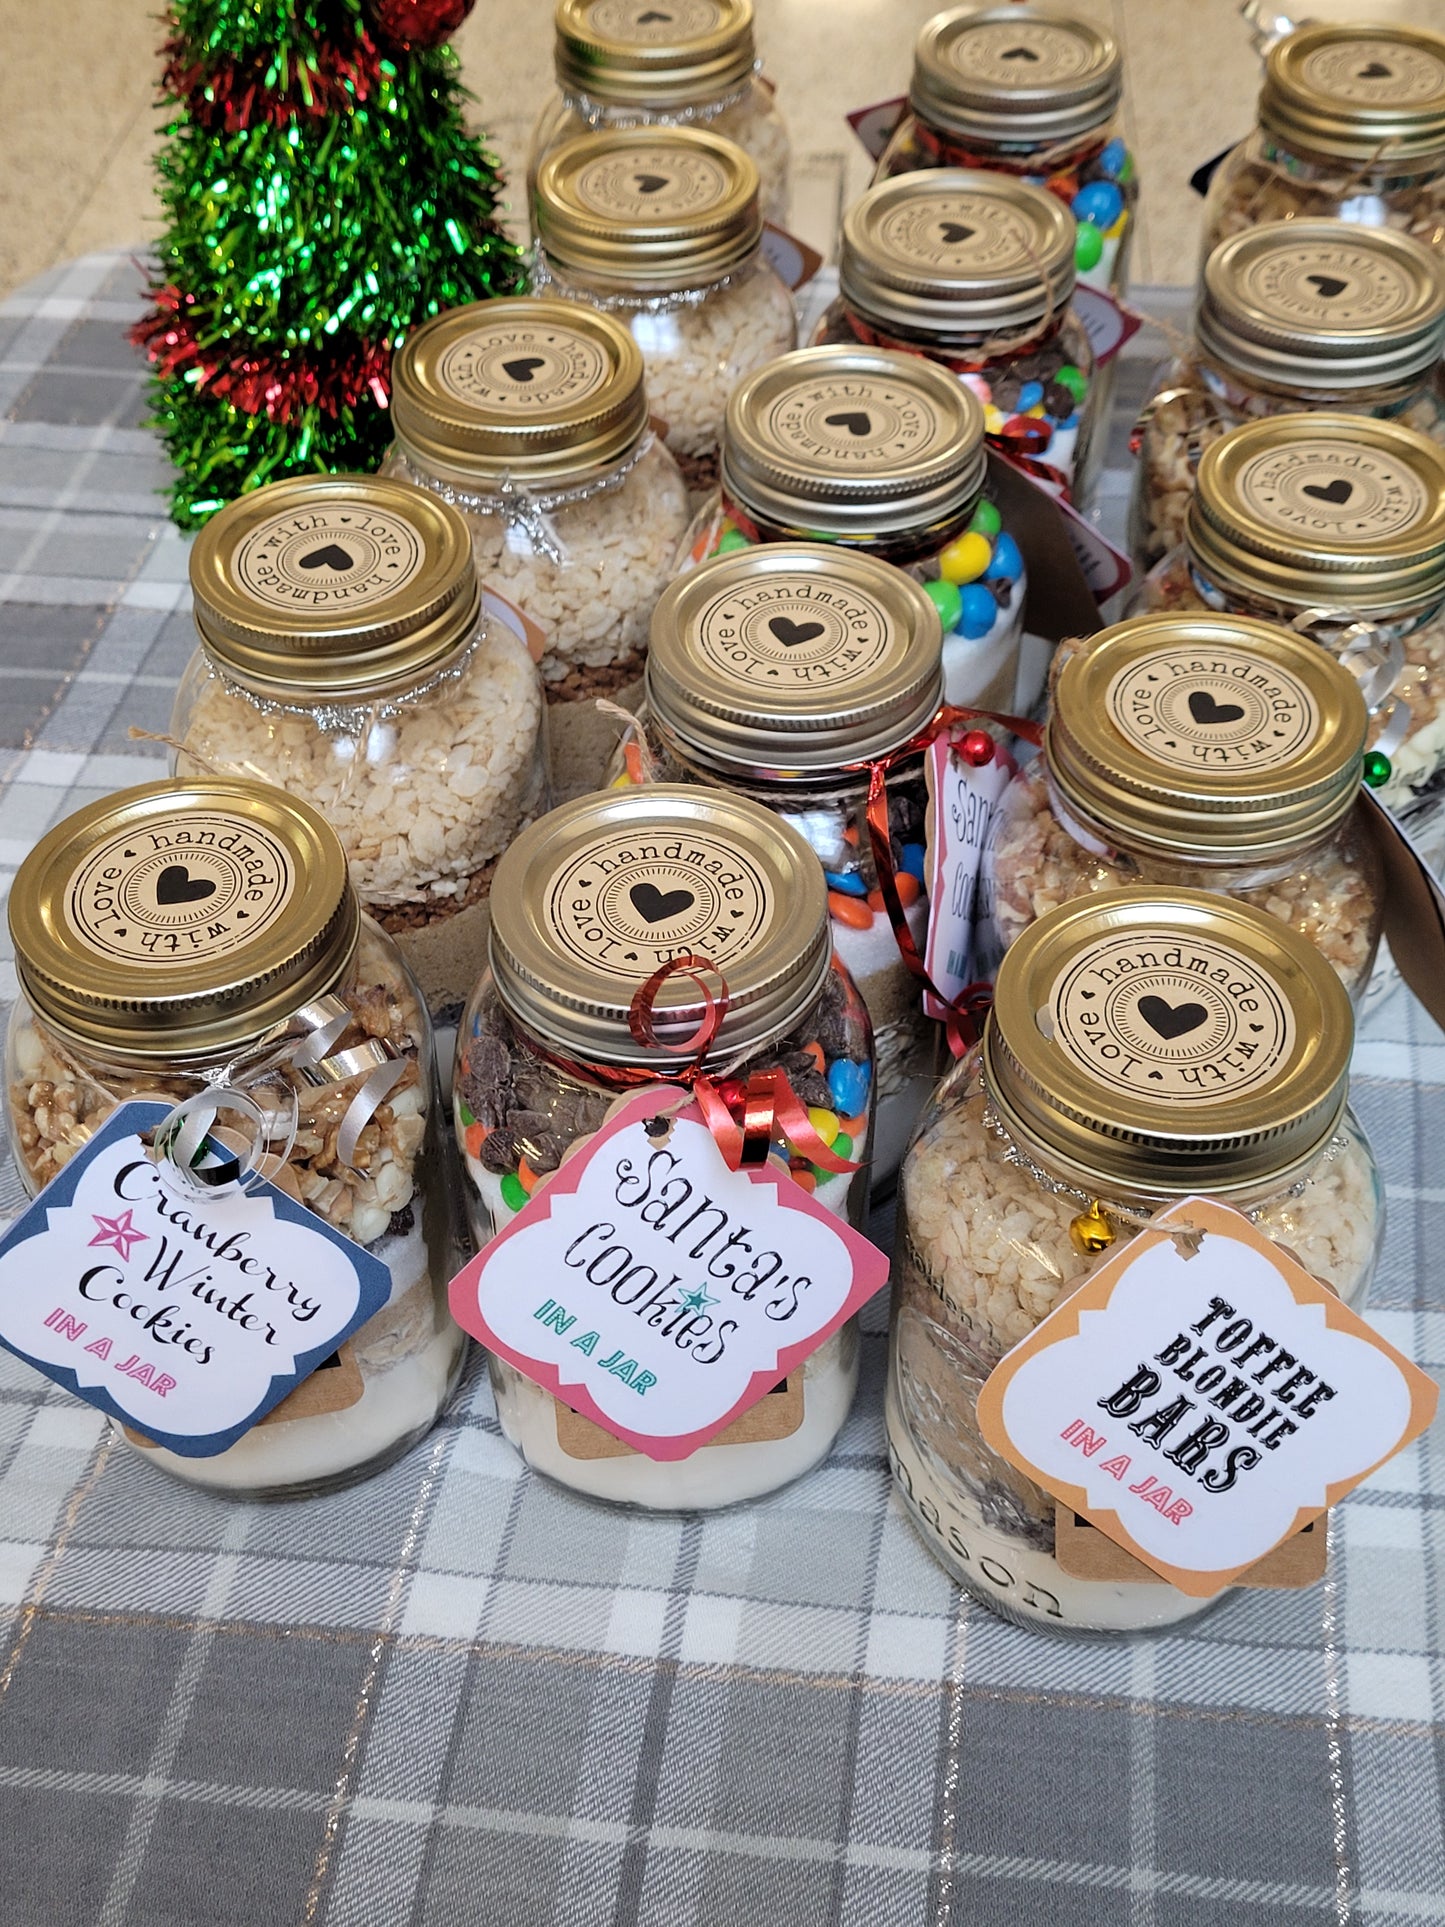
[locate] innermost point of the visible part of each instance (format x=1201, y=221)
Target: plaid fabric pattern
x=458, y=1694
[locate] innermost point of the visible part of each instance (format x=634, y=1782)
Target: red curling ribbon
x=1064, y=181
x=967, y=1010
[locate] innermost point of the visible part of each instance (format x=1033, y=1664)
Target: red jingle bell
x=977, y=748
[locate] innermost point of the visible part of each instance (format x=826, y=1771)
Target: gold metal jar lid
x=1215, y=739
x=954, y=251
x=1322, y=306
x=588, y=902
x=785, y=661
x=182, y=919
x=1329, y=511
x=854, y=443
x=652, y=208
x=654, y=53
x=333, y=586
x=541, y=391
x=1028, y=75
x=1364, y=94
x=1157, y=1042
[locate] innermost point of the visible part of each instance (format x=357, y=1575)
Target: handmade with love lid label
x=185, y=1314
x=1200, y=1405
x=525, y=367
x=1213, y=707
x=658, y=1293
x=331, y=553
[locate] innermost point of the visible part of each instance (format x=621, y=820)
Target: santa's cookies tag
x=1199, y=1399
x=962, y=798
x=655, y=1291
x=186, y=1314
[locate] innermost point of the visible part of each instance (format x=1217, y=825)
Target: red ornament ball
x=977, y=748
x=418, y=23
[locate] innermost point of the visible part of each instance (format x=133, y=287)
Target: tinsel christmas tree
x=322, y=195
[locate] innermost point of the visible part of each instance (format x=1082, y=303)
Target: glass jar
x=1213, y=752
x=589, y=903
x=628, y=63
x=1033, y=91
x=662, y=228
x=974, y=271
x=530, y=417
x=1333, y=526
x=175, y=1000
x=779, y=673
x=1351, y=127
x=344, y=657
x=1291, y=317
x=1036, y=1128
x=884, y=454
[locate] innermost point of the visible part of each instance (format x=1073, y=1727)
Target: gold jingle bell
x=1091, y=1232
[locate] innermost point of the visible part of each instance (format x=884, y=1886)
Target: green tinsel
x=309, y=246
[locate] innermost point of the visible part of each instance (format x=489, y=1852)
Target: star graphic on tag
x=697, y=1299
x=120, y=1232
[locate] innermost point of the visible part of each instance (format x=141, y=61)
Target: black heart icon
x=1329, y=285
x=1338, y=491
x=1204, y=709
x=855, y=421
x=1171, y=1020
x=656, y=906
x=954, y=231
x=524, y=367
x=175, y=884
x=1158, y=1076
x=1018, y=53
x=790, y=633
x=646, y=19
x=332, y=556
x=650, y=183
x=1375, y=70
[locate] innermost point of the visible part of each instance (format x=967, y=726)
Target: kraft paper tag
x=791, y=259
x=1060, y=600
x=775, y=1416
x=876, y=125
x=525, y=628
x=656, y=1292
x=187, y=1316
x=1199, y=1405
x=1084, y=1552
x=1414, y=907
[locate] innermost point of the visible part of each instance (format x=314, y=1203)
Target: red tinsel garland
x=232, y=95
x=279, y=387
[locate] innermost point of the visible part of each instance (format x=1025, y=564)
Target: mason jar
x=1351, y=128
x=589, y=903
x=781, y=673
x=662, y=228
x=1211, y=752
x=975, y=272
x=1291, y=317
x=530, y=417
x=1030, y=90
x=344, y=657
x=1333, y=526
x=127, y=990
x=1038, y=1155
x=627, y=63
x=884, y=454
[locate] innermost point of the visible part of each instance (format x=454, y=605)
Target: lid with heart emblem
x=333, y=586
x=856, y=444
x=952, y=251
x=1323, y=307
x=656, y=209
x=1015, y=76
x=1336, y=512
x=1372, y=95
x=1158, y=1042
x=182, y=920
x=1213, y=739
x=590, y=901
x=542, y=392
x=654, y=53
x=781, y=663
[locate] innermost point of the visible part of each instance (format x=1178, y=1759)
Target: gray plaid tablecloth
x=457, y=1695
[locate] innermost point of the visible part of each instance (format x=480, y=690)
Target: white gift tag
x=655, y=1291
x=1201, y=1408
x=188, y=1316
x=875, y=125
x=1105, y=322
x=790, y=258
x=961, y=805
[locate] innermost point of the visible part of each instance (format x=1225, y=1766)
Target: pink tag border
x=464, y=1297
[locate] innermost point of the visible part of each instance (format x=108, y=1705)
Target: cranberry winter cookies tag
x=1202, y=1397
x=657, y=1292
